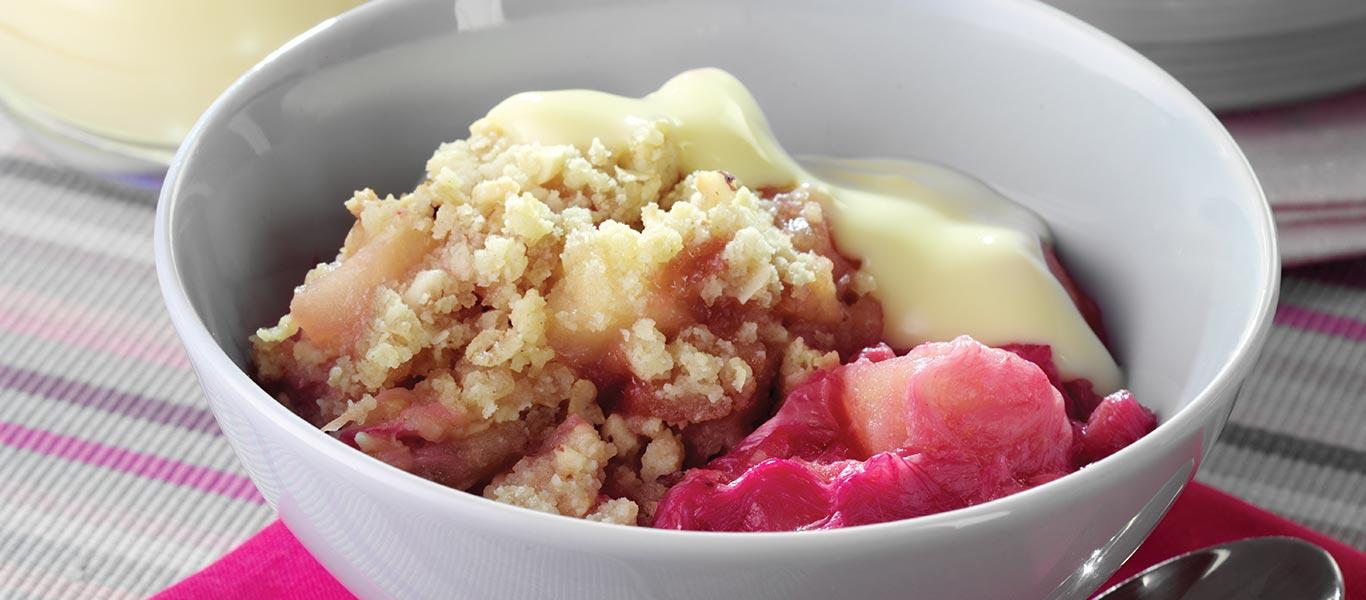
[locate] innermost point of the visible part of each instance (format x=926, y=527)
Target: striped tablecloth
x=115, y=482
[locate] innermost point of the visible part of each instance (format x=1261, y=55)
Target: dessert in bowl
x=593, y=299
x=253, y=204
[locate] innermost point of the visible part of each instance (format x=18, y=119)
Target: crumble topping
x=564, y=328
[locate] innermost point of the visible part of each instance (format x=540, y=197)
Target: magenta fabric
x=270, y=564
x=273, y=564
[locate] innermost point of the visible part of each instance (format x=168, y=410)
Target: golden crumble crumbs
x=565, y=477
x=564, y=328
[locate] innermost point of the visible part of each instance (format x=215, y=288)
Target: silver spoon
x=1268, y=568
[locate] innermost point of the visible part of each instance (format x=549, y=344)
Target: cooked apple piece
x=332, y=307
x=874, y=397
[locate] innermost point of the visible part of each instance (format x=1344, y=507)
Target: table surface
x=117, y=482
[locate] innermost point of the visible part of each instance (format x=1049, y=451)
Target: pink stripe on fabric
x=1348, y=106
x=1303, y=262
x=94, y=338
x=1323, y=222
x=143, y=465
x=1321, y=206
x=1308, y=319
x=1344, y=273
x=60, y=320
x=186, y=416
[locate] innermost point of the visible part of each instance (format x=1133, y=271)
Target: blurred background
x=117, y=482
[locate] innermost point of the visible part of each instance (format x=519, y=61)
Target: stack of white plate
x=1242, y=53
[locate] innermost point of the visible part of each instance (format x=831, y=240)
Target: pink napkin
x=272, y=564
x=1311, y=160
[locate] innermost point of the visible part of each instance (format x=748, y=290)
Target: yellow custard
x=949, y=256
x=140, y=71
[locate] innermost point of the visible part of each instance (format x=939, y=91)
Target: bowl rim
x=213, y=365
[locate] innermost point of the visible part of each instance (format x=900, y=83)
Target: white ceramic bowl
x=1152, y=202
